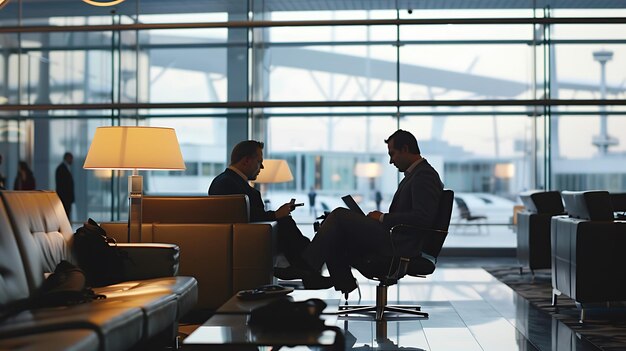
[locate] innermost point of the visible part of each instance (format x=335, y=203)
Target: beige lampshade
x=368, y=169
x=134, y=148
x=274, y=171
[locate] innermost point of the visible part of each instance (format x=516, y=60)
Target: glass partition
x=502, y=100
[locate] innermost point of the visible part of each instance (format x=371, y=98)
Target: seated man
x=246, y=162
x=345, y=234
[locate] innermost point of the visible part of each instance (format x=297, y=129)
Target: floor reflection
x=469, y=310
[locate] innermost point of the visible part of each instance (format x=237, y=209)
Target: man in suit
x=246, y=162
x=65, y=183
x=346, y=235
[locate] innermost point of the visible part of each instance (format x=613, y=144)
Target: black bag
x=66, y=286
x=103, y=263
x=284, y=315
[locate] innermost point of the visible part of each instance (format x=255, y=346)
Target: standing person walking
x=65, y=183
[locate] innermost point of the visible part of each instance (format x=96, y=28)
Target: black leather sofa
x=533, y=228
x=35, y=235
x=588, y=260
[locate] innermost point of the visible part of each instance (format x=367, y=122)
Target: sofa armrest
x=254, y=246
x=147, y=260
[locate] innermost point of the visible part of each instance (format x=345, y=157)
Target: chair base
x=414, y=310
x=381, y=308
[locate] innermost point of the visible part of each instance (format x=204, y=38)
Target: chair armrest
x=149, y=260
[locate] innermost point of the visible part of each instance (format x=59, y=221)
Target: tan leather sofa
x=219, y=247
x=35, y=235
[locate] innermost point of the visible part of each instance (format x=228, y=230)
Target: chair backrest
x=196, y=209
x=464, y=211
x=442, y=222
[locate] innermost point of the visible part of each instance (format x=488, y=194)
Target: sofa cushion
x=118, y=327
x=185, y=289
x=206, y=254
x=75, y=340
x=589, y=205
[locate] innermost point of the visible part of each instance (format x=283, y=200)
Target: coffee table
x=228, y=326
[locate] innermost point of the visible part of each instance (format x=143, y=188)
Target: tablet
x=349, y=201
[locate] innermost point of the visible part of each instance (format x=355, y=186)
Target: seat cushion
x=118, y=327
x=185, y=290
x=75, y=340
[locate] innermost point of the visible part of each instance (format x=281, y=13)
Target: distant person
x=246, y=161
x=312, y=195
x=24, y=180
x=3, y=179
x=65, y=183
x=378, y=198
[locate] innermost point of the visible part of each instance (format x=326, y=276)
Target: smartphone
x=298, y=204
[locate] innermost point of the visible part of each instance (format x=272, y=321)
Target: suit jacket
x=64, y=184
x=417, y=199
x=231, y=183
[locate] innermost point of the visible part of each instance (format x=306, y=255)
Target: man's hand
x=284, y=210
x=375, y=214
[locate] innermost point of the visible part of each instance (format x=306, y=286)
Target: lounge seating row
x=220, y=247
x=35, y=235
x=588, y=261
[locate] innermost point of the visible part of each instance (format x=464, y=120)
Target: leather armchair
x=533, y=228
x=218, y=245
x=588, y=251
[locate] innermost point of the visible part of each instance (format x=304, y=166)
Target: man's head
x=403, y=149
x=68, y=158
x=247, y=156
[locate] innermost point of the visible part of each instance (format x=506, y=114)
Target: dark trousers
x=344, y=237
x=291, y=242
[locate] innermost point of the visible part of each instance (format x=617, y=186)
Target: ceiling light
x=101, y=3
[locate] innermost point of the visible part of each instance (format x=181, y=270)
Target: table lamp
x=134, y=148
x=274, y=171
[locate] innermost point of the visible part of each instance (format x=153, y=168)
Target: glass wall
x=502, y=100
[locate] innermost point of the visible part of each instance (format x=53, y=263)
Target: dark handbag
x=284, y=315
x=66, y=286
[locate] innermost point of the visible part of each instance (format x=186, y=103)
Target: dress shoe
x=289, y=273
x=316, y=281
x=347, y=288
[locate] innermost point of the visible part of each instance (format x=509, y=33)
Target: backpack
x=103, y=263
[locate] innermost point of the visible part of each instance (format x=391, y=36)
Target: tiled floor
x=469, y=310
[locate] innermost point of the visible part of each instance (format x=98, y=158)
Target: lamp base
x=135, y=197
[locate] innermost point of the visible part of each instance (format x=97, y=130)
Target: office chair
x=388, y=270
x=466, y=215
